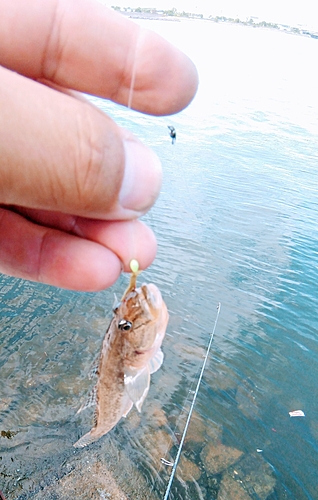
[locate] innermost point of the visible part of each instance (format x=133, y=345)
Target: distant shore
x=174, y=16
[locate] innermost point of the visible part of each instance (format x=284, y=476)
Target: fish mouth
x=152, y=295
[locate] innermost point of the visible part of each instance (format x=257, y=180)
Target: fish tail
x=86, y=440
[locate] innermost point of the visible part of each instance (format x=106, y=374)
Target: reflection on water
x=236, y=223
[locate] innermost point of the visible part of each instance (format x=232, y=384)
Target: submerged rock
x=246, y=398
x=214, y=432
x=199, y=430
x=187, y=470
x=232, y=490
x=255, y=475
x=196, y=431
x=217, y=458
x=95, y=483
x=104, y=471
x=158, y=443
x=159, y=417
x=222, y=377
x=190, y=352
x=133, y=420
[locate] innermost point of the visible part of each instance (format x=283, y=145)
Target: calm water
x=236, y=223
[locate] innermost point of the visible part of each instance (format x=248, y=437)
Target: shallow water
x=236, y=223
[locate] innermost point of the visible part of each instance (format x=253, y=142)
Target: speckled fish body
x=130, y=353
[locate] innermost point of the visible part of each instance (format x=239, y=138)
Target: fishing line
x=129, y=103
x=133, y=72
x=175, y=464
x=164, y=461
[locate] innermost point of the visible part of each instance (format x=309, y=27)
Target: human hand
x=73, y=183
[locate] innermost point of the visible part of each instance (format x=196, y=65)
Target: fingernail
x=142, y=179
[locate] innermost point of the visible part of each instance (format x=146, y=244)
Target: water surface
x=236, y=223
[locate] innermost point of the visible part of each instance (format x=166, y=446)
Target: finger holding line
x=83, y=45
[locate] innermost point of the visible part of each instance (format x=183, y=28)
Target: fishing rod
x=175, y=464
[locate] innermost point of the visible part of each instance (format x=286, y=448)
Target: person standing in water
x=173, y=133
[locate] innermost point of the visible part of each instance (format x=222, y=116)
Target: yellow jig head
x=134, y=266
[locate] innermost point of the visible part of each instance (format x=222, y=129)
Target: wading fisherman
x=173, y=133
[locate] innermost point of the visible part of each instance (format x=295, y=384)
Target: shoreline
x=153, y=16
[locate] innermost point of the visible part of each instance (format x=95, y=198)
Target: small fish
x=130, y=354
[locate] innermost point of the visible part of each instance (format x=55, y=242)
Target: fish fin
x=127, y=407
x=116, y=303
x=156, y=362
x=137, y=385
x=93, y=371
x=95, y=418
x=85, y=440
x=91, y=400
x=126, y=404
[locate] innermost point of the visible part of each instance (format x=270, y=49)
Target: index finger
x=83, y=45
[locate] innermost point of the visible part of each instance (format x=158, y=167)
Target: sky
x=291, y=12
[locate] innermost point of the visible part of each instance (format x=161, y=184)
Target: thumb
x=60, y=153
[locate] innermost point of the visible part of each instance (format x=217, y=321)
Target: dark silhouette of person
x=173, y=133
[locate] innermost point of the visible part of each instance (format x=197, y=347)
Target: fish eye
x=124, y=325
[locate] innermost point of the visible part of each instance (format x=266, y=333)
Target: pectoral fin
x=126, y=405
x=137, y=385
x=155, y=362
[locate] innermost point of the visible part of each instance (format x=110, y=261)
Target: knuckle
x=95, y=164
